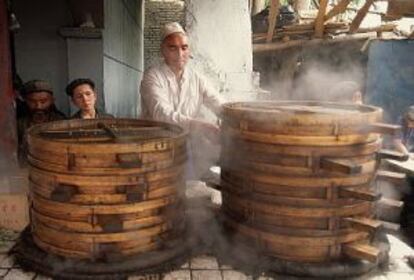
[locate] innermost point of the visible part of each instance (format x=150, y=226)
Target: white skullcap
x=170, y=28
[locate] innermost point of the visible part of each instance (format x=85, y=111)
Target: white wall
x=123, y=56
x=40, y=52
x=220, y=38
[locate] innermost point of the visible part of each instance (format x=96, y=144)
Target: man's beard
x=40, y=116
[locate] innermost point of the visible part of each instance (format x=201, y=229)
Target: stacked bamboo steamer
x=297, y=178
x=106, y=188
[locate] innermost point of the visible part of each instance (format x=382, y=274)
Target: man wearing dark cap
x=39, y=100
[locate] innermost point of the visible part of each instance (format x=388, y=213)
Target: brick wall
x=158, y=13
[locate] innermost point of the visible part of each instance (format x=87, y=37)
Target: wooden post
x=8, y=139
x=360, y=16
x=320, y=19
x=274, y=12
x=338, y=9
x=257, y=6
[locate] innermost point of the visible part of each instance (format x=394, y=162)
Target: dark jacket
x=99, y=115
x=24, y=123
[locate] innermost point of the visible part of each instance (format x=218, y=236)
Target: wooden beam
x=397, y=178
x=362, y=223
x=358, y=193
x=393, y=155
x=262, y=48
x=362, y=251
x=320, y=19
x=273, y=13
x=360, y=16
x=390, y=227
x=338, y=9
x=340, y=165
x=387, y=203
x=384, y=128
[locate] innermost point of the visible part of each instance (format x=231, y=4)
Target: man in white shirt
x=175, y=92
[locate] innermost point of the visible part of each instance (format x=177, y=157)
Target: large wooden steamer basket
x=106, y=187
x=296, y=178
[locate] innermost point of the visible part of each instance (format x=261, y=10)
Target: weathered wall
x=7, y=110
x=123, y=56
x=390, y=83
x=157, y=14
x=40, y=52
x=220, y=36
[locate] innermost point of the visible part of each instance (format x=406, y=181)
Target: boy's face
x=84, y=97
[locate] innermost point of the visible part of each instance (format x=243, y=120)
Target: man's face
x=84, y=97
x=39, y=101
x=176, y=51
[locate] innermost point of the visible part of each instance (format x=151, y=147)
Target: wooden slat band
x=74, y=169
x=237, y=177
x=309, y=212
x=274, y=112
x=110, y=180
x=299, y=253
x=293, y=128
x=91, y=254
x=76, y=253
x=73, y=211
x=279, y=220
x=253, y=157
x=246, y=147
x=102, y=148
x=288, y=240
x=247, y=187
x=287, y=199
x=286, y=230
x=342, y=140
x=73, y=226
x=177, y=136
x=108, y=160
x=49, y=185
x=47, y=192
x=47, y=233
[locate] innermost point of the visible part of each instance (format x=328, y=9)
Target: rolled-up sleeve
x=155, y=100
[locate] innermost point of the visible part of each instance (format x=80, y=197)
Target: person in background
x=40, y=108
x=405, y=143
x=83, y=95
x=346, y=92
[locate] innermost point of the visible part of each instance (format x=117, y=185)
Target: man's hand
x=208, y=130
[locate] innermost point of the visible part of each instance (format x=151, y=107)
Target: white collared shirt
x=164, y=98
